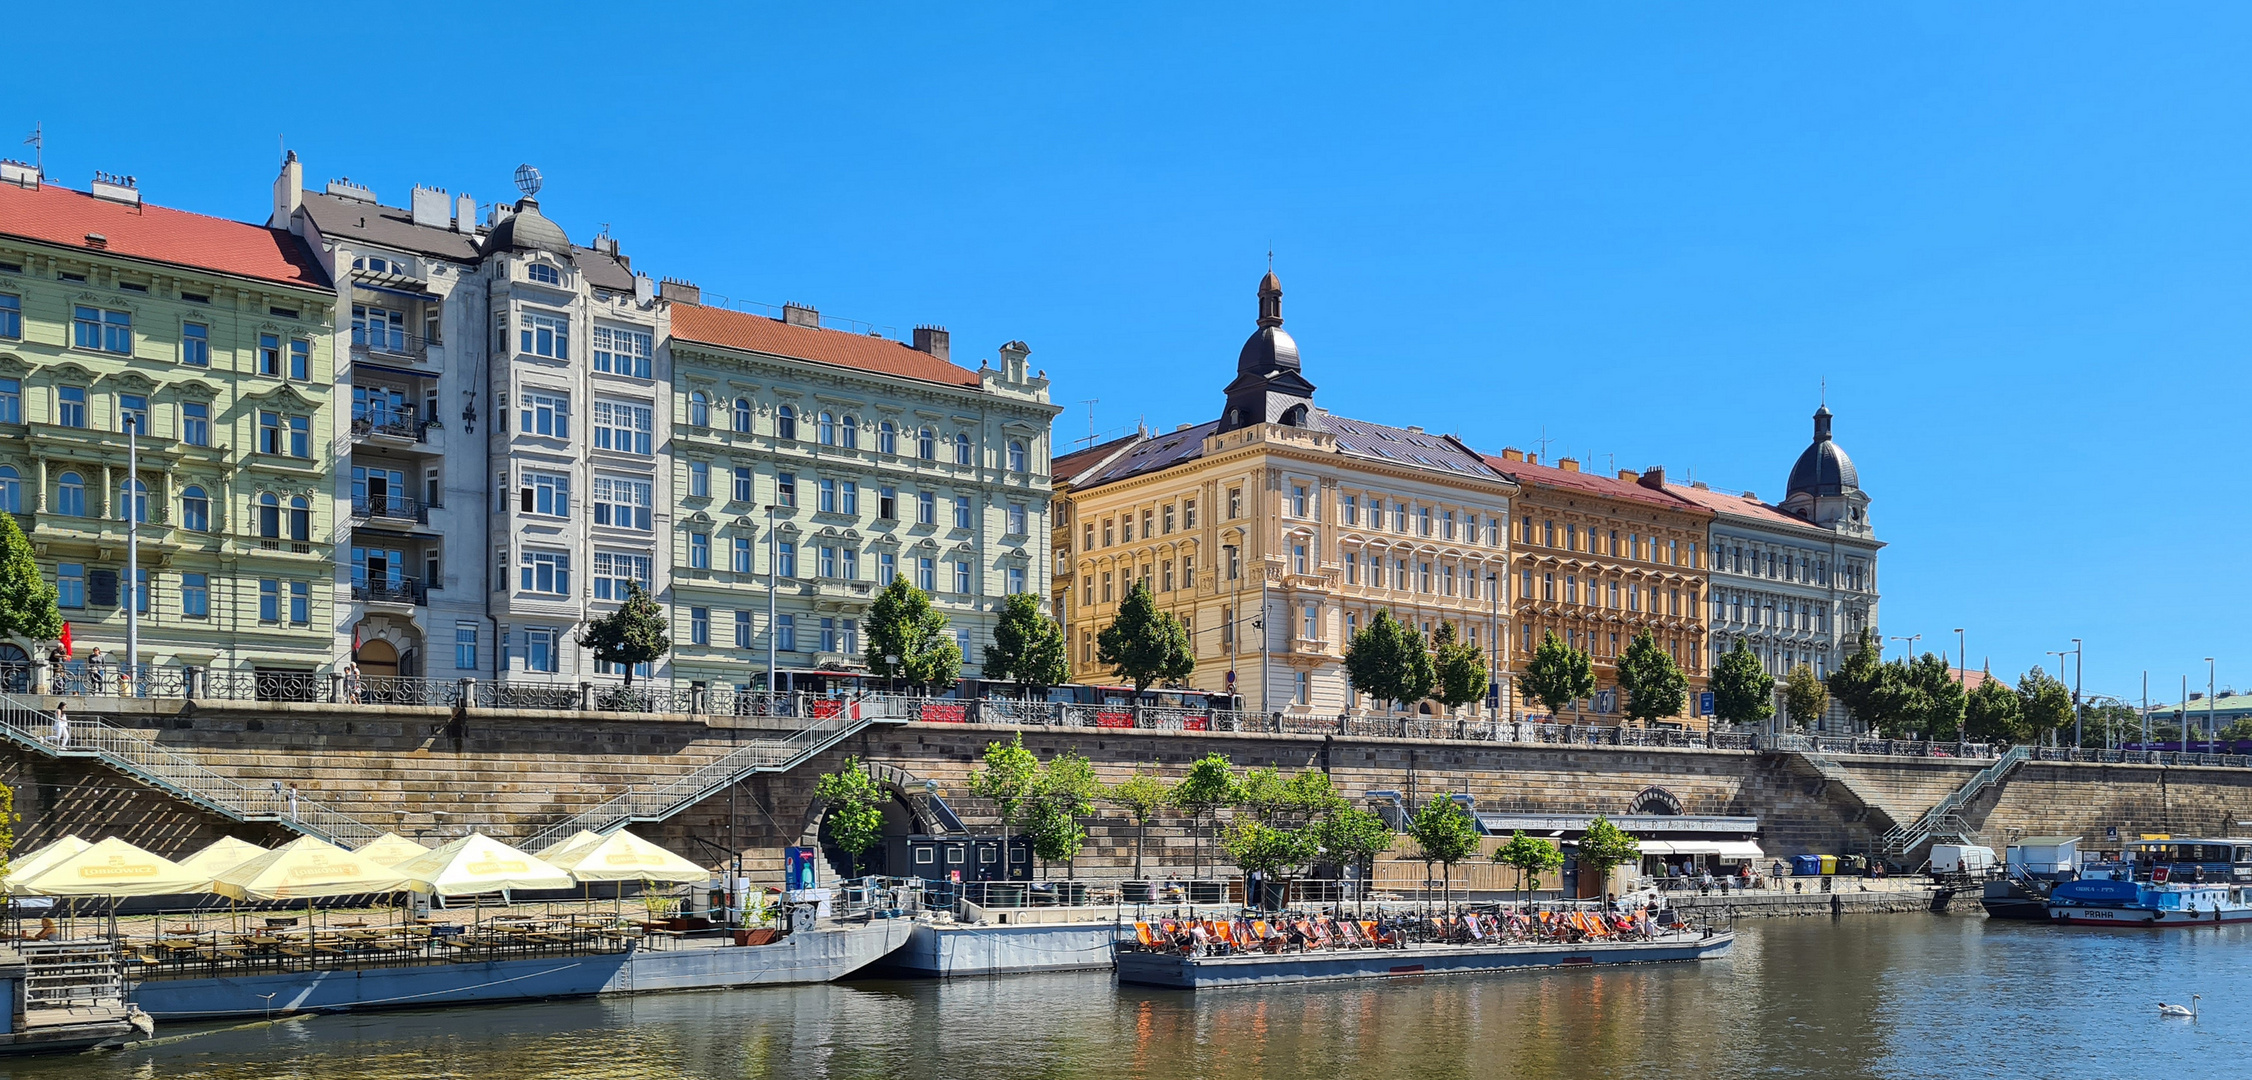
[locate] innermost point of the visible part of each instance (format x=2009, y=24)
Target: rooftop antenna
x=1543, y=441
x=1090, y=404
x=1825, y=398
x=38, y=144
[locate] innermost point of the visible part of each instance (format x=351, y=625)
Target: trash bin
x=1806, y=865
x=1829, y=865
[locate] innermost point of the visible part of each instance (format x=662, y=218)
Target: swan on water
x=2177, y=1010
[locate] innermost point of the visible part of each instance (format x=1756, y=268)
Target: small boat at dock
x=2162, y=883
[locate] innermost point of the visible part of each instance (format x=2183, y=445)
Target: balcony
x=379, y=343
x=400, y=592
x=390, y=508
x=389, y=427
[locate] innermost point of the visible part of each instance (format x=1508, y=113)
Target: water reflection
x=1874, y=997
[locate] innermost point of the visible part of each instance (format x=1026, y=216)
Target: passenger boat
x=2163, y=883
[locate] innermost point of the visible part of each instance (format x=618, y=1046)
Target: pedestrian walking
x=352, y=681
x=94, y=668
x=292, y=802
x=62, y=723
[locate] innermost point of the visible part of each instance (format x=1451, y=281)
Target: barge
x=2160, y=884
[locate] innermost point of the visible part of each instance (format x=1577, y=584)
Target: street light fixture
x=1911, y=639
x=1962, y=648
x=2212, y=732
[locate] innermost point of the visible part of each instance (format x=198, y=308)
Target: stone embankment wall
x=429, y=773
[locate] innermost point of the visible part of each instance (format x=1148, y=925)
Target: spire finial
x=1825, y=395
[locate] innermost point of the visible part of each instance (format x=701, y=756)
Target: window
x=1167, y=519
x=1019, y=519
x=700, y=551
x=269, y=516
x=741, y=555
x=70, y=585
x=543, y=273
x=887, y=503
x=848, y=432
x=541, y=334
x=547, y=494
x=622, y=426
x=1017, y=456
x=961, y=511
x=962, y=577
x=11, y=315
x=546, y=414
x=742, y=488
x=70, y=406
x=1447, y=527
x=786, y=489
x=1349, y=508
x=699, y=408
x=300, y=361
x=1235, y=503
x=195, y=596
x=742, y=629
x=826, y=561
x=1310, y=622
x=1231, y=558
x=1016, y=580
x=825, y=499
x=269, y=600
x=1188, y=514
x=699, y=626
x=195, y=423
x=887, y=437
x=1125, y=528
x=849, y=568
x=465, y=646
x=785, y=559
x=786, y=633
x=926, y=574
x=887, y=568
x=1302, y=689
x=699, y=480
x=926, y=444
x=195, y=341
x=1423, y=521
x=827, y=428
x=848, y=498
x=1298, y=559
x=926, y=508
x=962, y=451
x=100, y=330
x=1352, y=569
x=1399, y=517
x=539, y=650
x=300, y=602
x=614, y=570
x=11, y=490
x=623, y=350
x=545, y=572
x=785, y=420
x=1298, y=500
x=70, y=495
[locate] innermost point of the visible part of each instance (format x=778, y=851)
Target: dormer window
x=544, y=274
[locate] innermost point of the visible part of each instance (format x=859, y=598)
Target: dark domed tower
x=1268, y=387
x=1824, y=488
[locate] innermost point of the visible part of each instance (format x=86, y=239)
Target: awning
x=479, y=864
x=306, y=867
x=1740, y=849
x=1658, y=847
x=411, y=294
x=1726, y=849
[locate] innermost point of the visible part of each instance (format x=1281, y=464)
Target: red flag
x=355, y=640
x=67, y=655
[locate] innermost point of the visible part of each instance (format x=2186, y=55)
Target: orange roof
x=757, y=333
x=1740, y=505
x=1972, y=680
x=1597, y=484
x=57, y=215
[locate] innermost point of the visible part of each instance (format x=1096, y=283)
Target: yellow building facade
x=1277, y=531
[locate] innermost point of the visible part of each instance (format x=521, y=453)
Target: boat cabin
x=2184, y=861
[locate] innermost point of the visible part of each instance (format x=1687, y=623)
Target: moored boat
x=2163, y=883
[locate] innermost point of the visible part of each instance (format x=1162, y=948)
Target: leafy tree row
x=1391, y=661
x=1923, y=697
x=1560, y=674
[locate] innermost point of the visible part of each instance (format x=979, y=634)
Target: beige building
x=1276, y=531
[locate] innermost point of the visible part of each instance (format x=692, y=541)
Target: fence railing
x=185, y=778
x=395, y=507
x=390, y=424
x=387, y=590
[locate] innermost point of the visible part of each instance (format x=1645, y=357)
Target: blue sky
x=2013, y=239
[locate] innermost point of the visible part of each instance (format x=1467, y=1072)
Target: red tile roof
x=1597, y=484
x=757, y=333
x=1740, y=505
x=57, y=215
x=1972, y=680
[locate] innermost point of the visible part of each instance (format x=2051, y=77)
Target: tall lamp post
x=1493, y=660
x=1911, y=639
x=2212, y=732
x=2079, y=664
x=132, y=547
x=1962, y=649
x=773, y=580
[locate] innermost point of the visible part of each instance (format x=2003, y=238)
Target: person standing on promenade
x=62, y=723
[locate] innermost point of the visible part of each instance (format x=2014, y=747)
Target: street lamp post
x=1962, y=649
x=1493, y=660
x=132, y=548
x=773, y=580
x=2079, y=664
x=2212, y=732
x=1911, y=639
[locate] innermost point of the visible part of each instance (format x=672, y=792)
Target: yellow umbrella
x=622, y=856
x=115, y=868
x=479, y=864
x=560, y=850
x=220, y=856
x=389, y=849
x=307, y=867
x=35, y=863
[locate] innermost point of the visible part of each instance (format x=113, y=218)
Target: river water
x=1865, y=996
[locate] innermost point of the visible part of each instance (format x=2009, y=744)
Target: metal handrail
x=176, y=774
x=405, y=507
x=1945, y=816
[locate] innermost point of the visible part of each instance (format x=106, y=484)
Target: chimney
x=1532, y=459
x=289, y=191
x=1629, y=475
x=797, y=314
x=933, y=340
x=1511, y=453
x=645, y=290
x=20, y=173
x=427, y=208
x=343, y=188
x=1568, y=464
x=1414, y=430
x=1700, y=485
x=681, y=292
x=465, y=214
x=606, y=245
x=1654, y=478
x=116, y=188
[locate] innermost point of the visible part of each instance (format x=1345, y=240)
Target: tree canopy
x=1805, y=697
x=1940, y=698
x=855, y=818
x=1459, y=672
x=1028, y=647
x=1443, y=830
x=2044, y=702
x=1993, y=713
x=1858, y=682
x=1145, y=644
x=1142, y=796
x=902, y=623
x=1654, y=685
x=1388, y=661
x=27, y=601
x=1557, y=675
x=634, y=634
x=1010, y=777
x=1532, y=856
x=1742, y=690
x=1209, y=785
x=1604, y=846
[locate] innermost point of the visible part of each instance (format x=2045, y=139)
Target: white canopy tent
x=304, y=868
x=479, y=864
x=622, y=856
x=36, y=862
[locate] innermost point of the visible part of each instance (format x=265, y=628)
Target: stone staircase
x=1944, y=821
x=1878, y=815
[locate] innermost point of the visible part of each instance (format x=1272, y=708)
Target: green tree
x=1142, y=796
x=1805, y=697
x=1653, y=683
x=1459, y=673
x=2109, y=721
x=633, y=634
x=1256, y=847
x=1444, y=831
x=1010, y=778
x=902, y=623
x=1260, y=792
x=1859, y=681
x=1311, y=795
x=1028, y=647
x=1557, y=675
x=855, y=816
x=1063, y=793
x=27, y=601
x=1940, y=697
x=1388, y=661
x=1210, y=784
x=1895, y=708
x=1145, y=644
x=1350, y=836
x=1993, y=713
x=1604, y=846
x=1532, y=857
x=1742, y=690
x=2045, y=703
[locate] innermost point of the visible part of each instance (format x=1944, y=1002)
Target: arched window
x=70, y=495
x=1294, y=416
x=887, y=437
x=848, y=433
x=269, y=516
x=1016, y=455
x=699, y=409
x=195, y=510
x=962, y=448
x=11, y=490
x=544, y=274
x=300, y=519
x=743, y=415
x=926, y=444
x=828, y=429
x=135, y=493
x=785, y=423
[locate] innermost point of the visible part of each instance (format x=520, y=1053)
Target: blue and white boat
x=2162, y=883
